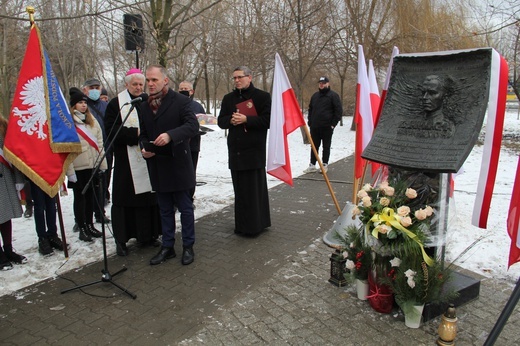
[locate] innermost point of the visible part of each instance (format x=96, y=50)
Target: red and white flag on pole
x=41, y=139
x=513, y=220
x=395, y=52
x=492, y=140
x=363, y=116
x=375, y=99
x=375, y=103
x=286, y=116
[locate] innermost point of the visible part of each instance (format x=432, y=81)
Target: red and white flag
x=286, y=116
x=492, y=140
x=41, y=139
x=363, y=116
x=375, y=103
x=375, y=99
x=513, y=220
x=395, y=52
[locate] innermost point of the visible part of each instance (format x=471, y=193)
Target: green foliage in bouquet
x=358, y=255
x=391, y=225
x=413, y=282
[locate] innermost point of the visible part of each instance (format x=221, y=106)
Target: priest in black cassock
x=135, y=213
x=245, y=113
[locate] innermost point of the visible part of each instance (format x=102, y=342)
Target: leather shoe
x=187, y=255
x=163, y=254
x=121, y=249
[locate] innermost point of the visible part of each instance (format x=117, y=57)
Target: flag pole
x=31, y=11
x=504, y=315
x=307, y=133
x=355, y=188
x=62, y=227
x=357, y=182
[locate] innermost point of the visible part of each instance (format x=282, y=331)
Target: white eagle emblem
x=33, y=119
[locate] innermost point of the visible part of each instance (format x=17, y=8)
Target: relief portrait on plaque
x=434, y=122
x=433, y=111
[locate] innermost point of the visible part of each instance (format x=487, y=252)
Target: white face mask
x=94, y=94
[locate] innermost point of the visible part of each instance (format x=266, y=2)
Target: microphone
x=136, y=100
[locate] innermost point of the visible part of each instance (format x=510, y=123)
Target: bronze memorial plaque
x=433, y=112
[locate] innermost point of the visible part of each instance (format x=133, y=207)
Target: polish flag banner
x=363, y=116
x=41, y=139
x=513, y=220
x=375, y=99
x=395, y=52
x=492, y=141
x=375, y=103
x=286, y=116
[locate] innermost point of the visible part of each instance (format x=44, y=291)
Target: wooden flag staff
x=307, y=133
x=357, y=182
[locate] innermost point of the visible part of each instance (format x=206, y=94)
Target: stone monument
x=430, y=121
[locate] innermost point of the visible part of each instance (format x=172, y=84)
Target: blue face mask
x=94, y=94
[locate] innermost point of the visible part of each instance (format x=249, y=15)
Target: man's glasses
x=238, y=77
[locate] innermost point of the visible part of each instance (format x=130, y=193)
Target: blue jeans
x=167, y=202
x=44, y=212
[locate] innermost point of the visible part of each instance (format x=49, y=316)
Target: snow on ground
x=488, y=257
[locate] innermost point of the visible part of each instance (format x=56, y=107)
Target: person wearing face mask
x=186, y=89
x=80, y=170
x=97, y=107
x=246, y=114
x=135, y=213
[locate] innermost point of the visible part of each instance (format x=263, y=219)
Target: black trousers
x=321, y=135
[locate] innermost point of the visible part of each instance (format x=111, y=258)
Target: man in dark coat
x=325, y=112
x=186, y=88
x=135, y=213
x=246, y=113
x=167, y=123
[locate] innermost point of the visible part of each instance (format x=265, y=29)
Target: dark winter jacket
x=195, y=141
x=172, y=171
x=325, y=109
x=246, y=143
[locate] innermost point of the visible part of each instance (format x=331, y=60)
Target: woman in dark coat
x=246, y=113
x=135, y=213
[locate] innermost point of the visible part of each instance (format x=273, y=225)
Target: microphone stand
x=106, y=276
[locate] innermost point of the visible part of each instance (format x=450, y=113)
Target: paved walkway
x=271, y=289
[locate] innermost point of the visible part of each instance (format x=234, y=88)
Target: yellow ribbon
x=388, y=216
